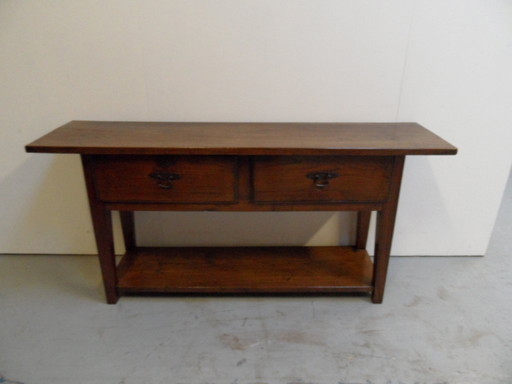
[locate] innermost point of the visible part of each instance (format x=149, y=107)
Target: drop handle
x=164, y=179
x=321, y=179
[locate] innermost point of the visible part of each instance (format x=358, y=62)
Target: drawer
x=166, y=179
x=321, y=179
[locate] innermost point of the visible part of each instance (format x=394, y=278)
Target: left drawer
x=165, y=179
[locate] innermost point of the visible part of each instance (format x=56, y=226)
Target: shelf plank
x=245, y=269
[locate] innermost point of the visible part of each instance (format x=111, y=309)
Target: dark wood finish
x=154, y=138
x=246, y=206
x=384, y=235
x=128, y=226
x=238, y=270
x=363, y=226
x=354, y=178
x=102, y=224
x=201, y=179
x=243, y=167
x=244, y=186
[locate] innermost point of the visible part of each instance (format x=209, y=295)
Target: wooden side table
x=136, y=166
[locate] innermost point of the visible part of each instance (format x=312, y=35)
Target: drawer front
x=321, y=179
x=166, y=179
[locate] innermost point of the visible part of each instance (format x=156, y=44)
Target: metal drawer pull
x=321, y=179
x=164, y=179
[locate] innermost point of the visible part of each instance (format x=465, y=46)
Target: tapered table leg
x=363, y=225
x=128, y=226
x=385, y=219
x=102, y=223
x=384, y=234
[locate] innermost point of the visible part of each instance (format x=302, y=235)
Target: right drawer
x=310, y=179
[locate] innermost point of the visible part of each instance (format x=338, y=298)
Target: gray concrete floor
x=443, y=321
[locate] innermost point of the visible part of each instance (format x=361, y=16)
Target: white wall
x=444, y=64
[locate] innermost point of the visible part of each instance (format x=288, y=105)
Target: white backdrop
x=444, y=64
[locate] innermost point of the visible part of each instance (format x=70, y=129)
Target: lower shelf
x=245, y=270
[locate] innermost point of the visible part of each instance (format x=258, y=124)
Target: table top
x=152, y=138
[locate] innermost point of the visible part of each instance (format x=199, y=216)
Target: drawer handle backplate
x=164, y=179
x=321, y=179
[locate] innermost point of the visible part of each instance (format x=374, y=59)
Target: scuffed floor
x=443, y=321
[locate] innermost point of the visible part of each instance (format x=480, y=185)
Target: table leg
x=102, y=223
x=363, y=225
x=128, y=226
x=384, y=234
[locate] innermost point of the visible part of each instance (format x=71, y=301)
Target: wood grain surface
x=103, y=137
x=201, y=179
x=356, y=178
x=245, y=269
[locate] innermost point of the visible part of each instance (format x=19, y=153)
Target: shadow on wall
x=423, y=210
x=46, y=195
x=52, y=216
x=245, y=228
